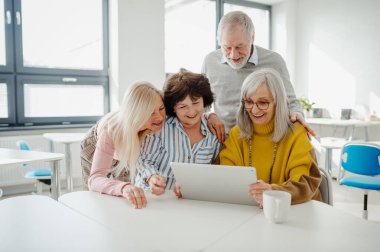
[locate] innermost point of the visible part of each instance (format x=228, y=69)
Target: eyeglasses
x=261, y=105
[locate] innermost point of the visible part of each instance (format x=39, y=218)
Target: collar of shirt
x=174, y=120
x=254, y=59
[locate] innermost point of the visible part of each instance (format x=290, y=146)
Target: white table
x=351, y=124
x=40, y=224
x=168, y=224
x=313, y=226
x=67, y=139
x=12, y=156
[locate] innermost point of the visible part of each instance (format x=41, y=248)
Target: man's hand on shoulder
x=216, y=126
x=295, y=116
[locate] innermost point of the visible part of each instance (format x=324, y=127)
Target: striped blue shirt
x=172, y=144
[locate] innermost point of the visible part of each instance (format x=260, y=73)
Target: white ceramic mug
x=276, y=205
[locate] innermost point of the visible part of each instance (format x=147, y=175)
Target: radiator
x=13, y=175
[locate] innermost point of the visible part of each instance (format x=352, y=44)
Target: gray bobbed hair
x=236, y=18
x=271, y=78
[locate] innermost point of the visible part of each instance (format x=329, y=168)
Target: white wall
x=338, y=54
x=284, y=33
x=139, y=42
x=332, y=53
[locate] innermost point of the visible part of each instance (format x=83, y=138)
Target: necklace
x=273, y=159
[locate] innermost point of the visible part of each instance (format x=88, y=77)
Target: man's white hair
x=236, y=18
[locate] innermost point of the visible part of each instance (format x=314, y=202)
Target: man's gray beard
x=237, y=67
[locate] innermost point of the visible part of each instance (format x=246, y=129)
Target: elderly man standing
x=226, y=69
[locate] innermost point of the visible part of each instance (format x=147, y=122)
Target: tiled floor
x=349, y=200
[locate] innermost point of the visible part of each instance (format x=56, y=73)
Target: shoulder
x=234, y=142
x=298, y=136
x=299, y=129
x=169, y=120
x=267, y=52
x=102, y=129
x=159, y=135
x=215, y=53
x=169, y=127
x=234, y=132
x=270, y=57
x=214, y=56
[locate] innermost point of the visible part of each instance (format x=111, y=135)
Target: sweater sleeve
x=101, y=167
x=302, y=172
x=232, y=150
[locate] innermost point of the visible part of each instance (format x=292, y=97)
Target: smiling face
x=189, y=111
x=157, y=118
x=236, y=46
x=264, y=98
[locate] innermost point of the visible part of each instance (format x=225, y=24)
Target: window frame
x=9, y=43
x=250, y=5
x=14, y=67
x=9, y=81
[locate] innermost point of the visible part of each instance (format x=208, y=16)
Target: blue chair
x=363, y=160
x=42, y=175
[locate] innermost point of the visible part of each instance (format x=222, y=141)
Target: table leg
x=328, y=160
x=345, y=132
x=366, y=133
x=51, y=145
x=334, y=131
x=55, y=183
x=352, y=133
x=69, y=177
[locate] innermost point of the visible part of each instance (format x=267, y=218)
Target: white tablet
x=219, y=183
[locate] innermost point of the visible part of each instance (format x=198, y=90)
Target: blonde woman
x=265, y=138
x=111, y=148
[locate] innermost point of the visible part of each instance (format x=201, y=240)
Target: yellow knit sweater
x=295, y=169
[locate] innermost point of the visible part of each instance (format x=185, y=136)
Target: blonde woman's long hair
x=124, y=124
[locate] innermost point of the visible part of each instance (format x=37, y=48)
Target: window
x=260, y=15
x=190, y=29
x=2, y=34
x=55, y=71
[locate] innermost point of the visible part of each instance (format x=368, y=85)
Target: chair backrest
x=22, y=145
x=361, y=158
x=326, y=187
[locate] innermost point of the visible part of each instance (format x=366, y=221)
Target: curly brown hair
x=179, y=85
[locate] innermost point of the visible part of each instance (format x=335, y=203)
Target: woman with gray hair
x=265, y=138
